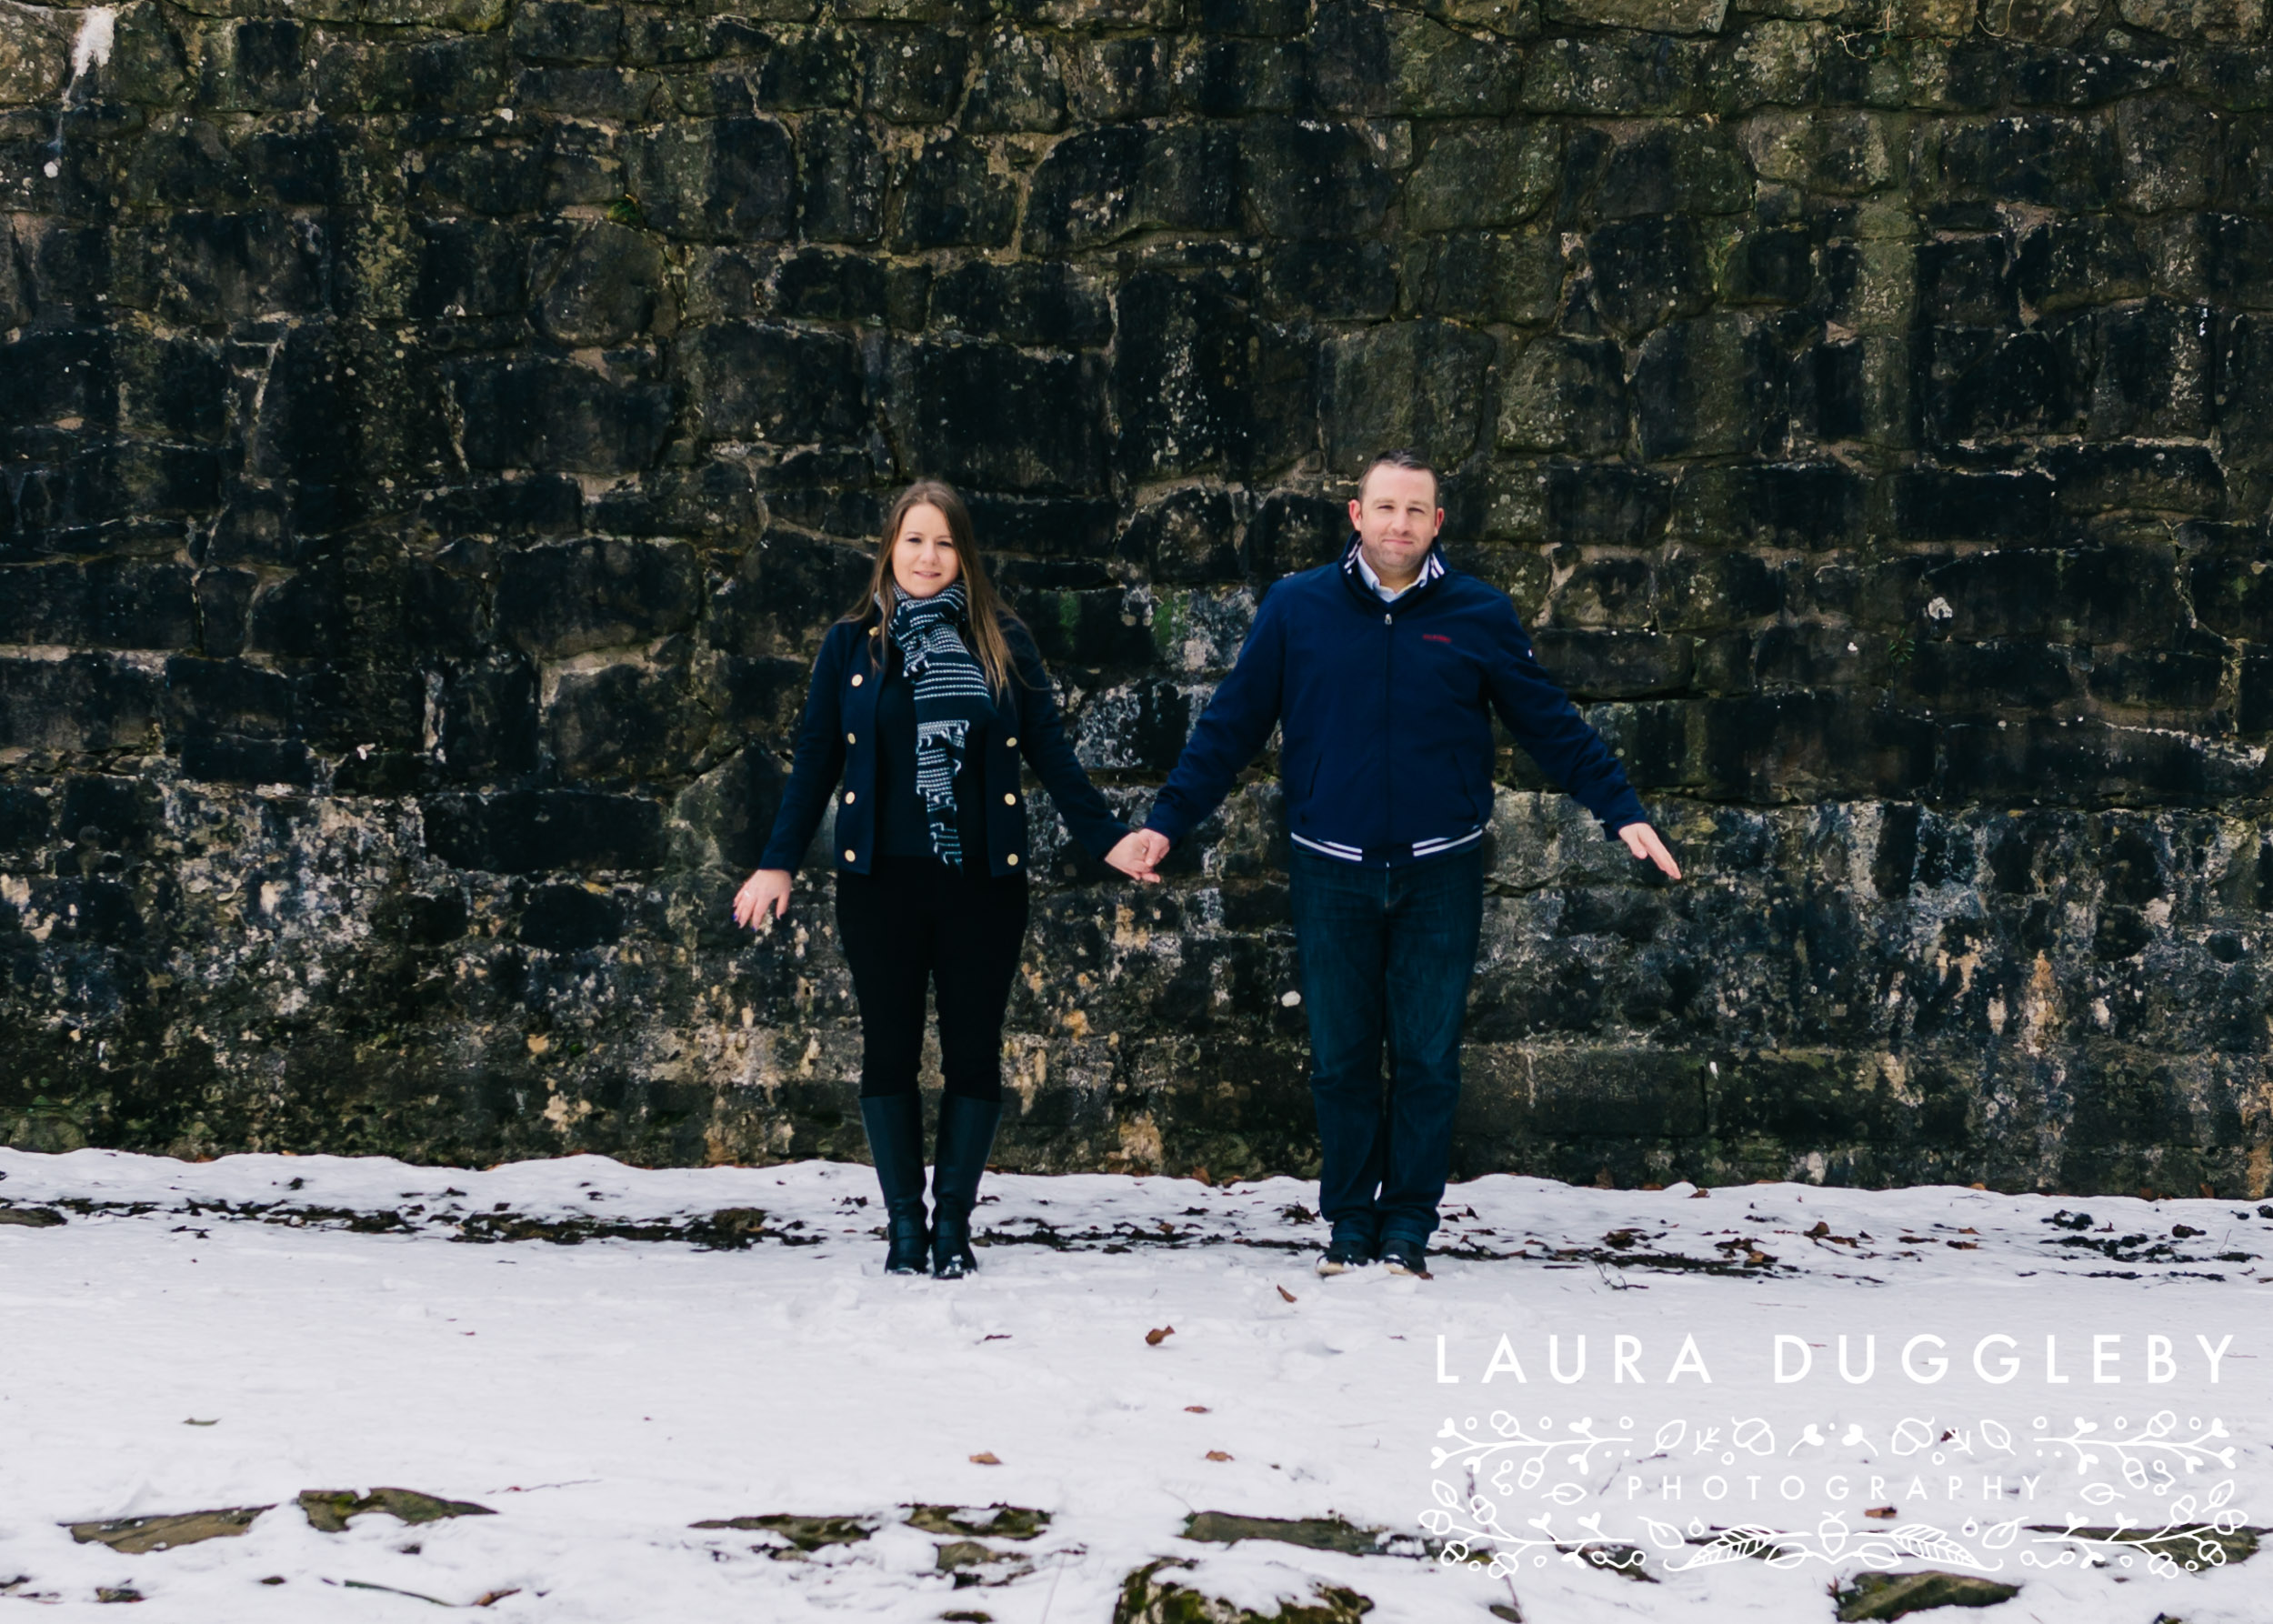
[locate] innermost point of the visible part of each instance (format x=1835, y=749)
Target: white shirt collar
x=1427, y=572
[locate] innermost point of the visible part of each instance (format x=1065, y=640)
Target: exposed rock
x=329, y=1510
x=134, y=1536
x=1891, y=1594
x=1146, y=1597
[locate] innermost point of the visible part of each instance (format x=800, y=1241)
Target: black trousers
x=914, y=924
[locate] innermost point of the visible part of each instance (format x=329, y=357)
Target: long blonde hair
x=987, y=611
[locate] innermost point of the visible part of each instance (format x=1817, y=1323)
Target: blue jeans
x=1387, y=954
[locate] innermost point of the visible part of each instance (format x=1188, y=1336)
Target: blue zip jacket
x=836, y=739
x=1386, y=741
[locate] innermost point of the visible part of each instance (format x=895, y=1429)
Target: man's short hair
x=1402, y=457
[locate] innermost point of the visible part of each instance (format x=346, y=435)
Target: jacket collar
x=1432, y=570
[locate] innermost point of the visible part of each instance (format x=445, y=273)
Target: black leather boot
x=896, y=1143
x=967, y=1133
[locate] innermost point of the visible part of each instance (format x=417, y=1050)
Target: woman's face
x=924, y=560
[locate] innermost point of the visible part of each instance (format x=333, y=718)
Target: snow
x=601, y=1398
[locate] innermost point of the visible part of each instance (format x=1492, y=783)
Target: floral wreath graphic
x=2195, y=1532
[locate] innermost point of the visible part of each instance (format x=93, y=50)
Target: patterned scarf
x=951, y=693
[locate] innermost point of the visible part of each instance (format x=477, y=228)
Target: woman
x=925, y=697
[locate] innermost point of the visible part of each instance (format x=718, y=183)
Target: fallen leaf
x=986, y=1458
x=1158, y=1334
x=214, y=1423
x=1290, y=1295
x=1883, y=1513
x=1198, y=1409
x=1217, y=1455
x=495, y=1595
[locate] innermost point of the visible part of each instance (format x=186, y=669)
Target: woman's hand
x=763, y=897
x=1138, y=854
x=1643, y=842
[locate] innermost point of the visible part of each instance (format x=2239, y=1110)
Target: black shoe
x=967, y=1133
x=1351, y=1248
x=1406, y=1255
x=896, y=1143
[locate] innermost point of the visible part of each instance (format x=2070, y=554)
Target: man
x=1379, y=671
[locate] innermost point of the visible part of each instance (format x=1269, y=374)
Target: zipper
x=1389, y=692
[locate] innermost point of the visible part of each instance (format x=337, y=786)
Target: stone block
x=1800, y=505
x=2169, y=148
x=1605, y=505
x=1564, y=394
x=1514, y=277
x=1096, y=186
x=1689, y=168
x=538, y=831
x=816, y=285
x=841, y=177
x=223, y=758
x=1659, y=16
x=79, y=702
x=602, y=287
x=625, y=720
x=1116, y=81
x=1407, y=383
x=1483, y=176
x=564, y=31
x=1614, y=665
x=1612, y=75
x=1647, y=272
x=2231, y=591
x=918, y=80
x=1948, y=505
x=1019, y=84
x=1302, y=179
x=2052, y=159
x=2070, y=595
x=2065, y=264
x=721, y=180
x=488, y=729
x=1188, y=538
x=563, y=598
x=1199, y=382
x=568, y=920
x=1229, y=78
x=1445, y=73
x=947, y=195
x=1713, y=385
x=987, y=415
x=469, y=268
x=537, y=411
x=2219, y=21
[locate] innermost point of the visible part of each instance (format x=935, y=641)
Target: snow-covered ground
x=720, y=1343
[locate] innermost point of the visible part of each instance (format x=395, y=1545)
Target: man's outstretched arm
x=1237, y=719
x=1570, y=752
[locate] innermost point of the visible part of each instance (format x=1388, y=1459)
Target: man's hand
x=1643, y=842
x=1138, y=854
x=763, y=898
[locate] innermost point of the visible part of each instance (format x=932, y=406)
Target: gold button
x=849, y=854
x=1007, y=800
x=850, y=740
x=1013, y=859
x=1012, y=742
x=848, y=798
x=857, y=679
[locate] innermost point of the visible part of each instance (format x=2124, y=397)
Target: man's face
x=1396, y=519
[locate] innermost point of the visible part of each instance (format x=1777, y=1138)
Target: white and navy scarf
x=951, y=693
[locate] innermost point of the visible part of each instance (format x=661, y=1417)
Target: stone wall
x=436, y=434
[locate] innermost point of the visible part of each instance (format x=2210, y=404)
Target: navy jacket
x=836, y=739
x=1385, y=737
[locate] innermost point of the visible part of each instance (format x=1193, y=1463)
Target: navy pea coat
x=837, y=757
